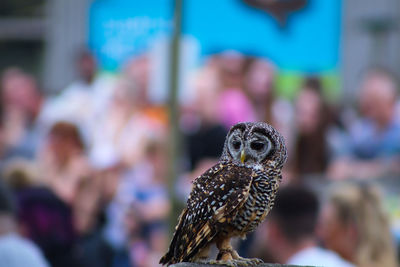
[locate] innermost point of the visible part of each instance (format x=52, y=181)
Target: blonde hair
x=361, y=205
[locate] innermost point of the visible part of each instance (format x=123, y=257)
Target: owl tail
x=167, y=259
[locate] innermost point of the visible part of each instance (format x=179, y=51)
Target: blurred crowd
x=85, y=172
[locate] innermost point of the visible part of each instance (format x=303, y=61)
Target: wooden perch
x=188, y=264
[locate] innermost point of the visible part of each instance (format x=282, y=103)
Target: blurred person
x=45, y=219
x=63, y=162
x=291, y=230
x=146, y=124
x=21, y=103
x=121, y=133
x=205, y=135
x=203, y=132
x=311, y=150
x=259, y=86
x=145, y=247
x=19, y=173
x=372, y=147
x=83, y=100
x=138, y=248
x=138, y=71
x=15, y=250
x=354, y=224
x=68, y=173
x=150, y=196
x=231, y=66
x=234, y=105
x=41, y=215
x=106, y=134
x=141, y=188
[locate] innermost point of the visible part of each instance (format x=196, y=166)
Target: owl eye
x=236, y=144
x=257, y=146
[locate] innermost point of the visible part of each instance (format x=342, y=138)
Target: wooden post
x=174, y=138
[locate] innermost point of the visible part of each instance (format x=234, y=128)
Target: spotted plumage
x=231, y=198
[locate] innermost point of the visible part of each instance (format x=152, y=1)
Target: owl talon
x=248, y=262
x=229, y=263
x=232, y=263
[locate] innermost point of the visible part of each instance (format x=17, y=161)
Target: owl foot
x=245, y=261
x=248, y=262
x=232, y=263
x=229, y=263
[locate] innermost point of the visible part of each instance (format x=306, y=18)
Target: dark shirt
x=207, y=142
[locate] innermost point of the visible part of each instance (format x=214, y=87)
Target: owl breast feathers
x=233, y=197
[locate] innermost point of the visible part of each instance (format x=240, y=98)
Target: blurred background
x=109, y=109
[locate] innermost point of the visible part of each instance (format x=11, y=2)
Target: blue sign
x=120, y=29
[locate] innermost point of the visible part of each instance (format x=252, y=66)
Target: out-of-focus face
x=125, y=95
x=58, y=144
x=308, y=111
x=207, y=93
x=62, y=144
x=259, y=79
x=20, y=91
x=87, y=67
x=377, y=98
x=139, y=70
x=336, y=235
x=231, y=66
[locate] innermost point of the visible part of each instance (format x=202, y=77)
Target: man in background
x=291, y=230
x=372, y=148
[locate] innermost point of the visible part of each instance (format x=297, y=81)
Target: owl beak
x=242, y=156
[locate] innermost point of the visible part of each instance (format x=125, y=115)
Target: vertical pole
x=174, y=144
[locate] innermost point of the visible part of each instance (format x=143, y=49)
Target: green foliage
x=288, y=84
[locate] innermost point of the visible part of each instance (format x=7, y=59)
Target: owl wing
x=216, y=197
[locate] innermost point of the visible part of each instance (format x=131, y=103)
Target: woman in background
x=353, y=224
x=310, y=151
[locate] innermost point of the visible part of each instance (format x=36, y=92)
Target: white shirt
x=16, y=251
x=317, y=256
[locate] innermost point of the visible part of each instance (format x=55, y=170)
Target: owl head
x=254, y=143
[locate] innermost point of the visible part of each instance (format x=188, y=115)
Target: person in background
x=146, y=121
x=65, y=169
x=144, y=247
x=259, y=87
x=205, y=135
x=121, y=133
x=15, y=250
x=41, y=216
x=21, y=103
x=82, y=101
x=106, y=134
x=372, y=148
x=138, y=71
x=140, y=208
x=291, y=230
x=63, y=162
x=310, y=149
x=203, y=132
x=354, y=224
x=234, y=105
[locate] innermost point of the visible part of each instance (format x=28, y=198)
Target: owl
x=231, y=198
